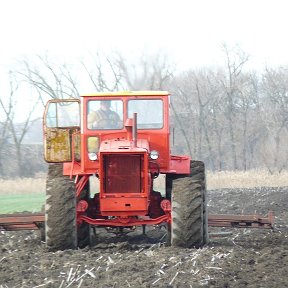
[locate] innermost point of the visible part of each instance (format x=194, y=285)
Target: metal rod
x=134, y=130
x=32, y=221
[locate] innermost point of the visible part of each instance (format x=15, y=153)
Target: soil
x=243, y=258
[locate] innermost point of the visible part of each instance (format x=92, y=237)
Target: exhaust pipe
x=134, y=130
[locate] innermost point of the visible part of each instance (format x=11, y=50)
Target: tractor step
x=34, y=221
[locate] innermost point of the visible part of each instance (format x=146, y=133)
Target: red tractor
x=122, y=139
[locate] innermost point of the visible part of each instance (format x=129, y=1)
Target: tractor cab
x=77, y=132
x=122, y=138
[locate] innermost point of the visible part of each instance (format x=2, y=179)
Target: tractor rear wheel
x=189, y=212
x=60, y=210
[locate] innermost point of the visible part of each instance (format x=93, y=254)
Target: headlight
x=92, y=156
x=154, y=154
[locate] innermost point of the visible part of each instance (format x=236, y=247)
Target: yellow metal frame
x=128, y=93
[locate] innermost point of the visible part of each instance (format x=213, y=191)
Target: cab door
x=61, y=130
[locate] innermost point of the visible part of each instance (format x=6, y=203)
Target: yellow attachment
x=128, y=93
x=77, y=146
x=58, y=144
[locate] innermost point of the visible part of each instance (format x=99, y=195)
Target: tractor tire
x=197, y=169
x=60, y=210
x=41, y=226
x=83, y=230
x=189, y=212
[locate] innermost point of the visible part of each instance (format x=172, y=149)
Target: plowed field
x=243, y=258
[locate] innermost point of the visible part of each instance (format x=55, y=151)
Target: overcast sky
x=190, y=32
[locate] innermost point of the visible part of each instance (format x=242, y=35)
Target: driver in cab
x=104, y=117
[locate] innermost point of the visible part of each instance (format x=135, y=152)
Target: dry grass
x=217, y=180
x=246, y=179
x=22, y=186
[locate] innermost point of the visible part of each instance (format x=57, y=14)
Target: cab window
x=105, y=114
x=149, y=113
x=63, y=114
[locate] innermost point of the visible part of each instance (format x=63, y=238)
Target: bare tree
x=14, y=132
x=192, y=98
x=235, y=61
x=7, y=114
x=52, y=80
x=275, y=89
x=221, y=108
x=151, y=72
x=105, y=73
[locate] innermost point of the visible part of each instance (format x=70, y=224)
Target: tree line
x=229, y=116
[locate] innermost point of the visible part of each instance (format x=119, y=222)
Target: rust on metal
x=14, y=222
x=242, y=221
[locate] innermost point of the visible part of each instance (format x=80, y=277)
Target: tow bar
x=34, y=221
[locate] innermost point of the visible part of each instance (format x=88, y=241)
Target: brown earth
x=245, y=258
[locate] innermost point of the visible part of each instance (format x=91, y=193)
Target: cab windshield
x=105, y=114
x=149, y=113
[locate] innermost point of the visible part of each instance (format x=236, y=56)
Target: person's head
x=105, y=105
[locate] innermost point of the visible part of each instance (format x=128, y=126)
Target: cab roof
x=128, y=93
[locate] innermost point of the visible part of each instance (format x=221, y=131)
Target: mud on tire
x=189, y=211
x=60, y=210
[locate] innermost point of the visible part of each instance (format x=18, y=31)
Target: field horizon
x=215, y=180
x=28, y=194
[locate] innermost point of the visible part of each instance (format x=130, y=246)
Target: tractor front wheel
x=60, y=210
x=189, y=214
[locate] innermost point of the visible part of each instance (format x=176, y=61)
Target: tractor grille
x=123, y=173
